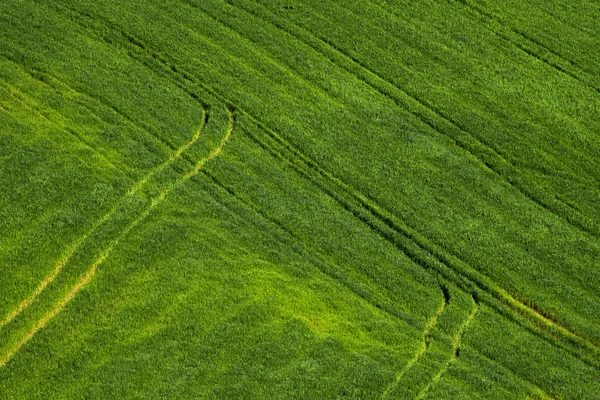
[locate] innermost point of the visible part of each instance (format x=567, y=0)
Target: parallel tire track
x=388, y=9
x=363, y=287
x=432, y=117
x=420, y=351
x=456, y=341
x=408, y=240
x=559, y=63
x=59, y=125
x=416, y=247
x=513, y=301
x=73, y=248
x=88, y=275
x=435, y=355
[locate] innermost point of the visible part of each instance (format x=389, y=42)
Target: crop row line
x=410, y=242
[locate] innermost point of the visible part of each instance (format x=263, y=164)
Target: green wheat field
x=285, y=199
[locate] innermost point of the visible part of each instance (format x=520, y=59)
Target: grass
x=318, y=199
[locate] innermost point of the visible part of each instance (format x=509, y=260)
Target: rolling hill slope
x=316, y=199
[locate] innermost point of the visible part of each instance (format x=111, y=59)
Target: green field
x=237, y=199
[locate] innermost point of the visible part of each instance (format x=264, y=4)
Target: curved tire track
x=73, y=248
x=405, y=238
x=89, y=274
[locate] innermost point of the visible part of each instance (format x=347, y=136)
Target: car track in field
x=20, y=97
x=364, y=286
x=89, y=274
x=531, y=311
x=514, y=303
x=565, y=69
x=592, y=181
x=73, y=248
x=430, y=324
x=418, y=248
x=539, y=319
x=473, y=144
x=506, y=299
x=456, y=342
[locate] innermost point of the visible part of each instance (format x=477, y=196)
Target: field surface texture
x=280, y=199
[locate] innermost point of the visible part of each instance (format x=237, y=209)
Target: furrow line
x=88, y=275
x=73, y=248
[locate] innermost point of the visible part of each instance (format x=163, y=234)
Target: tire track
x=521, y=306
x=417, y=247
x=504, y=309
x=74, y=247
x=265, y=53
x=422, y=349
x=167, y=68
x=152, y=132
x=532, y=386
x=490, y=157
x=89, y=274
x=40, y=324
x=495, y=21
x=134, y=122
x=387, y=9
x=362, y=286
x=456, y=341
